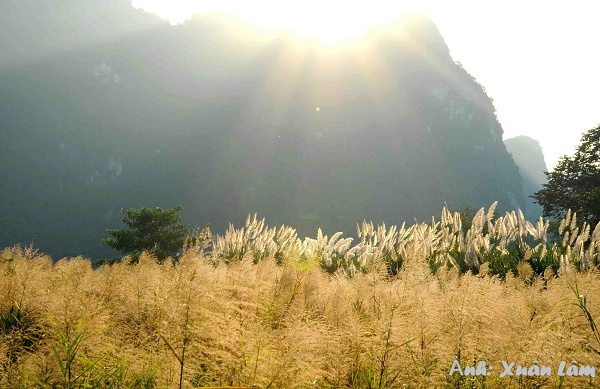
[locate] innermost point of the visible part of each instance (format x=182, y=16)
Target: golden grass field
x=288, y=324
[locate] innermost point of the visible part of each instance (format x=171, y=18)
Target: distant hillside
x=527, y=154
x=106, y=107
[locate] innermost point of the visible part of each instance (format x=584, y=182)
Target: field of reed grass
x=258, y=307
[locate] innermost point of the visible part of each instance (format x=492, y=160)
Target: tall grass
x=496, y=246
x=266, y=309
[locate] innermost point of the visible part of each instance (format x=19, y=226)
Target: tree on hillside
x=150, y=229
x=575, y=183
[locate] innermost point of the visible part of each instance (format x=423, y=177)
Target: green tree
x=575, y=183
x=150, y=229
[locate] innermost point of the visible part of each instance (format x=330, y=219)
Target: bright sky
x=538, y=60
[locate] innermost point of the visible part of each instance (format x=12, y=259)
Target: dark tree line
x=575, y=183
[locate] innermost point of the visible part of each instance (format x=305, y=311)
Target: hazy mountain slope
x=527, y=154
x=227, y=121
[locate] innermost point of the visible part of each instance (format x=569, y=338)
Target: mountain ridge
x=529, y=157
x=191, y=115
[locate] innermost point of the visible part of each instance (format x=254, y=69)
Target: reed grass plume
x=262, y=308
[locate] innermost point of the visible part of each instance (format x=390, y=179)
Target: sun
x=331, y=21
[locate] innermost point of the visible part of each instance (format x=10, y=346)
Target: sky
x=538, y=60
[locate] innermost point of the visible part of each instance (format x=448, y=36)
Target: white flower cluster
x=504, y=239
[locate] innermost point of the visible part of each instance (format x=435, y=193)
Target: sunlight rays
x=331, y=22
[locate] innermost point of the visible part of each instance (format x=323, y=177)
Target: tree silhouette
x=575, y=183
x=150, y=229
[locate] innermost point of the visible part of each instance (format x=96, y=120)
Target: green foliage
x=69, y=353
x=575, y=183
x=582, y=304
x=150, y=229
x=20, y=330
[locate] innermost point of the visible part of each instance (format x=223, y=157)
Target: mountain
x=529, y=157
x=107, y=107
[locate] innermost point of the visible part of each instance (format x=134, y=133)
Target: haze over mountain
x=529, y=157
x=106, y=107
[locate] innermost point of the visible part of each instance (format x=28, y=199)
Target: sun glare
x=331, y=21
